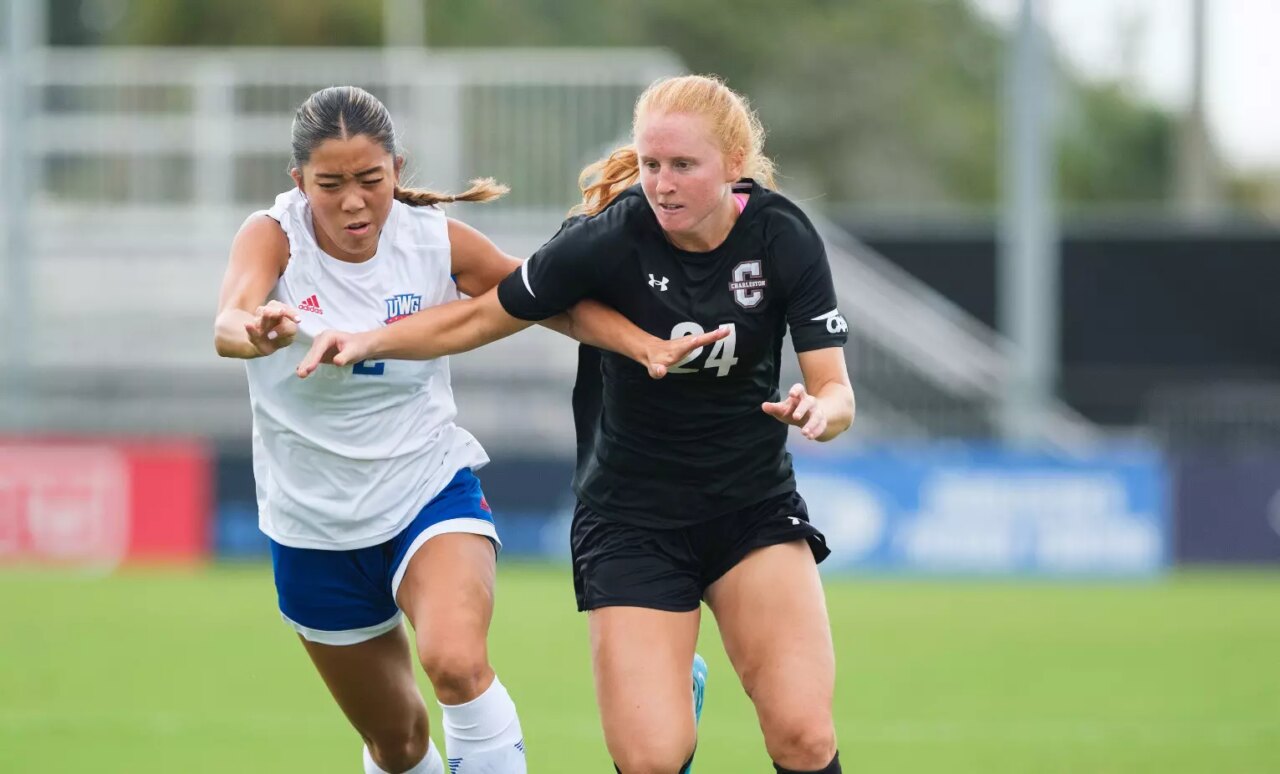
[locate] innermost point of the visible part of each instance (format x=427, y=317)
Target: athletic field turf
x=192, y=671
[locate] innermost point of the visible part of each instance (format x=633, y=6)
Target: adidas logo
x=311, y=304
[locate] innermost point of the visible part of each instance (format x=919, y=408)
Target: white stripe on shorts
x=458, y=524
x=345, y=637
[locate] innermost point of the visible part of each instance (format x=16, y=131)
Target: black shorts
x=670, y=569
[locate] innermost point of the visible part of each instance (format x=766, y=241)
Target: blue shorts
x=347, y=597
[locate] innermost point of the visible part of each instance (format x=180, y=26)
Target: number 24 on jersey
x=722, y=352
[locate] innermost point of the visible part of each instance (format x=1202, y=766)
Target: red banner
x=103, y=503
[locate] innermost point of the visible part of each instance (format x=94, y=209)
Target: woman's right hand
x=273, y=327
x=662, y=354
x=337, y=347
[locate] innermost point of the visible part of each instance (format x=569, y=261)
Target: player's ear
x=296, y=174
x=397, y=167
x=735, y=163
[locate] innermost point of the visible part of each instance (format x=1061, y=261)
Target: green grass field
x=192, y=671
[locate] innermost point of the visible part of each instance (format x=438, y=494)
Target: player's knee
x=401, y=749
x=650, y=760
x=653, y=751
x=456, y=673
x=804, y=744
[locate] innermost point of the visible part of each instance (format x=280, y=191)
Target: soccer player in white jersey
x=365, y=484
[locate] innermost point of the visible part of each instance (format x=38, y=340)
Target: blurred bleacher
x=147, y=160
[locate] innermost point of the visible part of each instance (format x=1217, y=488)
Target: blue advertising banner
x=941, y=509
x=969, y=509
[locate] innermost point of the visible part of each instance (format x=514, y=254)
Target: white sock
x=431, y=764
x=483, y=736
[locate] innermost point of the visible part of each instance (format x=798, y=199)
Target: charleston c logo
x=748, y=284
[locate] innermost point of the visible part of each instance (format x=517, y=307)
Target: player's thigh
x=443, y=571
x=642, y=659
x=373, y=682
x=447, y=591
x=772, y=616
x=641, y=589
x=352, y=631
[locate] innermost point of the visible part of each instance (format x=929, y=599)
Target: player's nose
x=352, y=202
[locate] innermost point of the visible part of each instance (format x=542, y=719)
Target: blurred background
x=1054, y=229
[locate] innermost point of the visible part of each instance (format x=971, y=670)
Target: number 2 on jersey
x=721, y=357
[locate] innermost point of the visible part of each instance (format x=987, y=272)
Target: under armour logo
x=660, y=284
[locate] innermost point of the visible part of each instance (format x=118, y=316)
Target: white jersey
x=348, y=456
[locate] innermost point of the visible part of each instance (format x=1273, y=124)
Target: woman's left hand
x=801, y=409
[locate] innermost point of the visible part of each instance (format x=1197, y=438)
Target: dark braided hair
x=340, y=112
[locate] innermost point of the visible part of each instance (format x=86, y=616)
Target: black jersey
x=696, y=444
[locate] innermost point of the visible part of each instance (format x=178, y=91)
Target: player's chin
x=674, y=219
x=356, y=244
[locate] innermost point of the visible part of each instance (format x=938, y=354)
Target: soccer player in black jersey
x=685, y=488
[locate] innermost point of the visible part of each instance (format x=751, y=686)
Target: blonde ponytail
x=602, y=181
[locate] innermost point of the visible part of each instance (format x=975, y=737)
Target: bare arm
x=597, y=325
x=447, y=329
x=459, y=326
x=478, y=266
x=823, y=407
x=244, y=328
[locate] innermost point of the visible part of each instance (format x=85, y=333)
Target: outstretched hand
x=664, y=353
x=273, y=327
x=801, y=409
x=337, y=347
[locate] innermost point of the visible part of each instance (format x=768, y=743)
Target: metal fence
x=175, y=127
